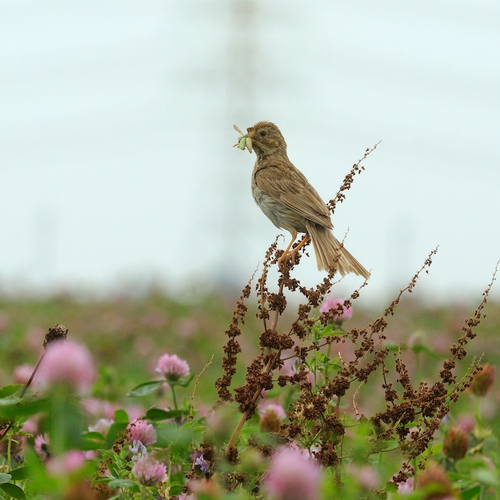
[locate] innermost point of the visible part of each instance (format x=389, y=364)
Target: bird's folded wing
x=292, y=189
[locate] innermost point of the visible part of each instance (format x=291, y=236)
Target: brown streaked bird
x=284, y=194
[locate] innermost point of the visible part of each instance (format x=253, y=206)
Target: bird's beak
x=248, y=143
x=249, y=138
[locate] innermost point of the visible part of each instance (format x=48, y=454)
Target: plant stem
x=479, y=418
x=174, y=396
x=267, y=369
x=23, y=392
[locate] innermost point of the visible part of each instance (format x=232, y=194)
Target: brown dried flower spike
x=243, y=141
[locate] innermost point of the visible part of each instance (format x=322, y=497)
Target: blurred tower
x=242, y=57
x=240, y=79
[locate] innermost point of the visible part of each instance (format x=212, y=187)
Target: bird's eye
x=263, y=133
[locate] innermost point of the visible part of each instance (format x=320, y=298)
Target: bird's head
x=266, y=139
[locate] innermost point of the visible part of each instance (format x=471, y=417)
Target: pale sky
x=116, y=132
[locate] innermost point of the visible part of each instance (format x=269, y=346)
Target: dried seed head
x=456, y=443
x=57, y=332
x=435, y=482
x=483, y=382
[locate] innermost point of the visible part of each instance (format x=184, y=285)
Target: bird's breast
x=280, y=215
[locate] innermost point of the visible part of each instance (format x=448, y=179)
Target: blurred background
x=117, y=171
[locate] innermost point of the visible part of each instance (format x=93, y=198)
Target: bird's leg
x=285, y=253
x=306, y=239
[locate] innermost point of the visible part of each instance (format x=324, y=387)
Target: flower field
x=282, y=392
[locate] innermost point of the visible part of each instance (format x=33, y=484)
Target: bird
x=290, y=202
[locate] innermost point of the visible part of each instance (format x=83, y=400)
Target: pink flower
x=99, y=408
x=30, y=426
x=69, y=363
x=172, y=367
x=274, y=410
x=41, y=446
x=271, y=416
x=336, y=308
x=102, y=426
x=134, y=412
x=149, y=471
x=22, y=373
x=292, y=476
x=141, y=431
x=407, y=486
x=466, y=422
x=71, y=460
x=367, y=477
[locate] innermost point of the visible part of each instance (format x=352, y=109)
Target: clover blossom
x=172, y=367
x=336, y=308
x=138, y=450
x=140, y=430
x=292, y=475
x=42, y=446
x=149, y=471
x=67, y=363
x=102, y=426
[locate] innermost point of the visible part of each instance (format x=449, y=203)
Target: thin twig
x=191, y=399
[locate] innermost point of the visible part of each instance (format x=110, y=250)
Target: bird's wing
x=291, y=188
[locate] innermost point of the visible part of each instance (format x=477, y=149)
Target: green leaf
x=92, y=441
x=181, y=382
x=23, y=408
x=323, y=358
x=158, y=414
x=178, y=438
x=327, y=330
x=64, y=421
x=10, y=400
x=113, y=432
x=7, y=390
x=5, y=478
x=145, y=389
x=121, y=483
x=418, y=348
x=391, y=487
x=486, y=476
x=121, y=416
x=393, y=347
x=437, y=448
x=93, y=436
x=22, y=473
x=471, y=493
x=13, y=491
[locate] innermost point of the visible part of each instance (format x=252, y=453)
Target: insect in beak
x=243, y=141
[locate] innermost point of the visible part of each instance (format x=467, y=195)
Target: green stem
x=174, y=396
x=479, y=418
x=9, y=450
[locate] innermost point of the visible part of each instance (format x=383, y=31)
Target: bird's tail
x=330, y=252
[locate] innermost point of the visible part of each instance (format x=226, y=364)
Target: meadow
x=282, y=392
